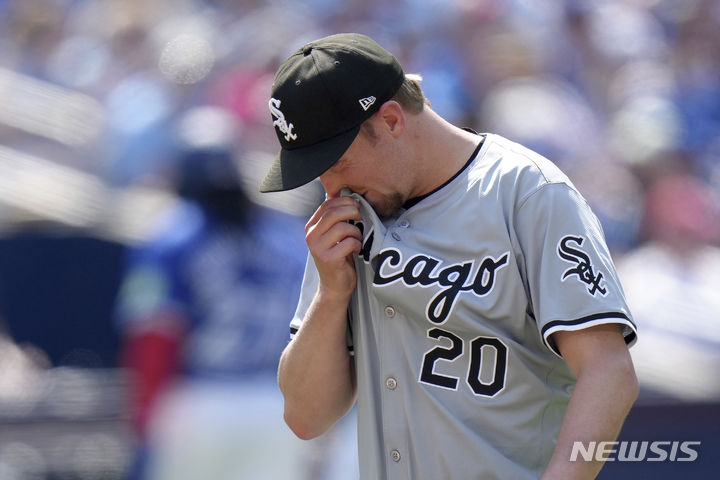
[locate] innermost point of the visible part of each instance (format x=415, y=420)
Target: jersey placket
x=394, y=385
x=376, y=334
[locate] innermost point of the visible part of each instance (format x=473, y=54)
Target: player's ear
x=393, y=117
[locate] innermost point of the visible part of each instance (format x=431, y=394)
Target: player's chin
x=386, y=206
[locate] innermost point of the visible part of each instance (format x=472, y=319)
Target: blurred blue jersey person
x=203, y=310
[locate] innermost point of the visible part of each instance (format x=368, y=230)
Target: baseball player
x=458, y=286
x=201, y=312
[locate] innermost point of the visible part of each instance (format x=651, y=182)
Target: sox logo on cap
x=280, y=121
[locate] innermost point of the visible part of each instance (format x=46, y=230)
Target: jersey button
x=395, y=455
x=404, y=223
x=391, y=383
x=389, y=311
x=395, y=235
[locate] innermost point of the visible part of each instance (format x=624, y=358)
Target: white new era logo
x=367, y=102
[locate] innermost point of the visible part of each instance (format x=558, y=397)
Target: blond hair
x=410, y=97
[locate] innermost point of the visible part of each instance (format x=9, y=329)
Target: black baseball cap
x=321, y=95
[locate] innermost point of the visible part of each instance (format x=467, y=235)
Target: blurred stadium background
x=622, y=94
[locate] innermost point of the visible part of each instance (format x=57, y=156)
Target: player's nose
x=332, y=184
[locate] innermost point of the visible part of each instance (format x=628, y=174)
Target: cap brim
x=294, y=168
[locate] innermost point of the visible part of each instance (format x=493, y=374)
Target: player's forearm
x=599, y=404
x=315, y=373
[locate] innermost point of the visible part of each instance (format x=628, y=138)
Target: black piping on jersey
x=414, y=201
x=630, y=338
x=351, y=345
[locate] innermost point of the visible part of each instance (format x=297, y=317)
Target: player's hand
x=332, y=241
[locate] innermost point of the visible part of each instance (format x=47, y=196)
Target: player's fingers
x=331, y=218
x=332, y=227
x=325, y=220
x=337, y=233
x=346, y=247
x=333, y=211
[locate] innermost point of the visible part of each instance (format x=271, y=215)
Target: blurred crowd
x=618, y=92
x=102, y=100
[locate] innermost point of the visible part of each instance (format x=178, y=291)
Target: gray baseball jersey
x=451, y=321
